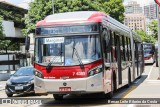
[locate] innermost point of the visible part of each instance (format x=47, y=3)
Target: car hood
x=21, y=79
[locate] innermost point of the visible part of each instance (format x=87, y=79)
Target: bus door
x=107, y=55
x=118, y=55
x=140, y=59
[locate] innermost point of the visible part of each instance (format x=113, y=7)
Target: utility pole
x=158, y=18
x=53, y=6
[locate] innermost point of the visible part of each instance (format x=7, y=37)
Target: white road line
x=150, y=72
x=130, y=105
x=153, y=81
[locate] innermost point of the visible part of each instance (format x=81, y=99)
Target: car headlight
x=38, y=73
x=31, y=82
x=8, y=82
x=95, y=70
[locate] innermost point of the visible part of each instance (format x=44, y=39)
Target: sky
x=21, y=3
x=24, y=3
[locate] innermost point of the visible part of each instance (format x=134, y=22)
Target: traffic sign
x=158, y=2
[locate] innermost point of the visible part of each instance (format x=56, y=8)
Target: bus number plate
x=64, y=89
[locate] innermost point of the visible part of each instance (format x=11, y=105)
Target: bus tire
x=58, y=96
x=129, y=78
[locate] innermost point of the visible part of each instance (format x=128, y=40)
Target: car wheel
x=58, y=96
x=9, y=95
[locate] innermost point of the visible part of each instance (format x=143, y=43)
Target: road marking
x=153, y=81
x=130, y=105
x=150, y=72
x=129, y=91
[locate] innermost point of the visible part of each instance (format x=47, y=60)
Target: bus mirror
x=27, y=43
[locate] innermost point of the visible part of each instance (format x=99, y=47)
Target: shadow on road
x=148, y=64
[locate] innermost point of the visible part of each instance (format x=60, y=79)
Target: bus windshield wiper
x=79, y=59
x=50, y=63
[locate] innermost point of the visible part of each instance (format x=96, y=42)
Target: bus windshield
x=148, y=49
x=61, y=50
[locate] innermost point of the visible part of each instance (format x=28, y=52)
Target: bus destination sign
x=66, y=29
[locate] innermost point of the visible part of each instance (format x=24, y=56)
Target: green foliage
x=146, y=38
x=13, y=13
x=154, y=28
x=1, y=28
x=39, y=9
x=3, y=43
x=115, y=9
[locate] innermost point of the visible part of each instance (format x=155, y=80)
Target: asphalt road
x=93, y=100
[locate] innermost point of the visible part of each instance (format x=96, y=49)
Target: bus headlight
x=38, y=74
x=95, y=71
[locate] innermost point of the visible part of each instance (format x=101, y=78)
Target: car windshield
x=28, y=71
x=66, y=51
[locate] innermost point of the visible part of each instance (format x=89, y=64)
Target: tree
x=145, y=37
x=153, y=26
x=39, y=9
x=1, y=28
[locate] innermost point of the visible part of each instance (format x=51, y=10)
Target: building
x=135, y=21
x=12, y=28
x=150, y=11
x=133, y=8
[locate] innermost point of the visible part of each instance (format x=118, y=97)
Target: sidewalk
x=154, y=73
x=2, y=85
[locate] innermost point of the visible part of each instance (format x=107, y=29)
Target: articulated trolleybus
x=85, y=52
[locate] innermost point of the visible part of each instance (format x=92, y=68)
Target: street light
x=158, y=18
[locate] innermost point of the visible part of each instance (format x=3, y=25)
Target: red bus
x=149, y=53
x=85, y=52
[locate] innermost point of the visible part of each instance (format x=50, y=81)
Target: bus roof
x=86, y=16
x=72, y=17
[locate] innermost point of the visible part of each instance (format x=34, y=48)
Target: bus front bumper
x=92, y=84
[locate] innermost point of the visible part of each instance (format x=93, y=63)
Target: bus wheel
x=58, y=96
x=129, y=78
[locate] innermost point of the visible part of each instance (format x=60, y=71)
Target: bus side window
x=127, y=49
x=113, y=47
x=123, y=48
x=130, y=50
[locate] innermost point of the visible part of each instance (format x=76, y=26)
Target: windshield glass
x=24, y=72
x=61, y=50
x=148, y=49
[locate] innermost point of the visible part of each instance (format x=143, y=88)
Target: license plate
x=64, y=89
x=19, y=88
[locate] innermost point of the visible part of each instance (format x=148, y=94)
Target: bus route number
x=78, y=73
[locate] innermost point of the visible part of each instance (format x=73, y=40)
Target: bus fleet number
x=78, y=73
